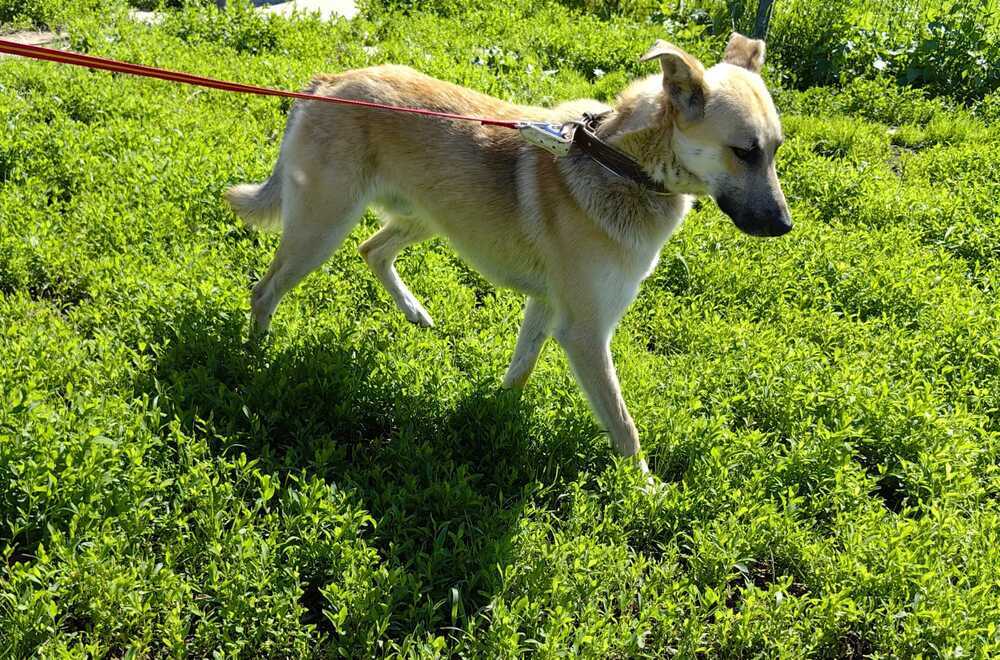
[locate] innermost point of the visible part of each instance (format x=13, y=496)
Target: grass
x=823, y=410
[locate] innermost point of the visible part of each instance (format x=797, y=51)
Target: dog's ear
x=744, y=52
x=683, y=78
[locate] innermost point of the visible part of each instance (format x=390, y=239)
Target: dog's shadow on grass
x=446, y=481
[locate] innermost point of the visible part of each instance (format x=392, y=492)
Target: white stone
x=34, y=38
x=327, y=9
x=147, y=17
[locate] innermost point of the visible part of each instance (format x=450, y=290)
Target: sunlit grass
x=822, y=410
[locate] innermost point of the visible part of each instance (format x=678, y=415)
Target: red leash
x=554, y=138
x=93, y=62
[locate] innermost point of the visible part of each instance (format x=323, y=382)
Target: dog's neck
x=642, y=125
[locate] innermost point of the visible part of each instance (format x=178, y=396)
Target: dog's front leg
x=530, y=339
x=589, y=353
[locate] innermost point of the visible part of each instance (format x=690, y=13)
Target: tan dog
x=576, y=239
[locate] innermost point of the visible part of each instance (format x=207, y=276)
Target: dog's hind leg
x=315, y=219
x=380, y=253
x=530, y=339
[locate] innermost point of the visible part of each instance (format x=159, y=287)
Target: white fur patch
x=697, y=165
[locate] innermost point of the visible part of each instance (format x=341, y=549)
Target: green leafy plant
x=822, y=411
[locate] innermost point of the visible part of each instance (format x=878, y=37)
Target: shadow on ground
x=446, y=480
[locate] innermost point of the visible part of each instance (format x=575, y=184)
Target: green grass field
x=823, y=410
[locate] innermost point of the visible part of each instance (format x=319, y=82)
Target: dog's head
x=726, y=132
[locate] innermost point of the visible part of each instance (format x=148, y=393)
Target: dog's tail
x=259, y=204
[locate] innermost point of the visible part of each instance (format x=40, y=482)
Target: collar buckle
x=554, y=138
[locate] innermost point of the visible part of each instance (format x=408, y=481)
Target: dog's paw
x=415, y=313
x=651, y=484
x=257, y=339
x=515, y=379
x=512, y=389
x=257, y=333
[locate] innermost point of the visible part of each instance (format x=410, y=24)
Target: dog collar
x=559, y=140
x=614, y=160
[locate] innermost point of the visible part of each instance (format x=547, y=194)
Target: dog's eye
x=748, y=156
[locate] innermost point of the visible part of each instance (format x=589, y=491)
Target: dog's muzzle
x=773, y=220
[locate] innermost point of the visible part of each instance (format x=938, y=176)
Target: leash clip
x=554, y=138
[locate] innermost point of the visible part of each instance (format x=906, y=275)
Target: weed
x=822, y=410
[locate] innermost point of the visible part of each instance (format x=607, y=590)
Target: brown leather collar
x=614, y=160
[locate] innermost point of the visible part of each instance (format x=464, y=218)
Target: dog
x=573, y=237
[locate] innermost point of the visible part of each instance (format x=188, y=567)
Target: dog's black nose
x=777, y=223
x=782, y=226
x=766, y=228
